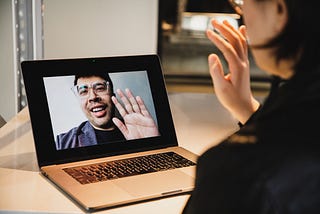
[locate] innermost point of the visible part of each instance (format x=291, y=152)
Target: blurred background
x=173, y=29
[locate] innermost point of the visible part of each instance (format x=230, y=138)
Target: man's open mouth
x=98, y=109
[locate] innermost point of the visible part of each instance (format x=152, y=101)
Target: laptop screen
x=94, y=107
x=81, y=117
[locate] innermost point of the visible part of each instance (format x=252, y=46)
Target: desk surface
x=200, y=122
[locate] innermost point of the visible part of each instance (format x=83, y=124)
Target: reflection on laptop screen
x=83, y=113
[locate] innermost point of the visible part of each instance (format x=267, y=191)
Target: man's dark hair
x=300, y=37
x=103, y=75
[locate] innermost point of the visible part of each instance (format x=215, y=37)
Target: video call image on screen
x=82, y=115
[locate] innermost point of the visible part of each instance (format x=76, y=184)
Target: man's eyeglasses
x=237, y=5
x=99, y=88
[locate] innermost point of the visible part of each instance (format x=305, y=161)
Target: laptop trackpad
x=156, y=183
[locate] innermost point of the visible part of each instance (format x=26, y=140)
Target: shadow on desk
x=24, y=161
x=2, y=121
x=16, y=144
x=7, y=138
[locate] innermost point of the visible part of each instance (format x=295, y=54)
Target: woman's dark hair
x=300, y=38
x=103, y=75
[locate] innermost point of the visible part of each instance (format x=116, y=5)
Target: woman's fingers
x=231, y=40
x=226, y=48
x=243, y=31
x=216, y=70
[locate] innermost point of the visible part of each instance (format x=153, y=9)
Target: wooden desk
x=200, y=123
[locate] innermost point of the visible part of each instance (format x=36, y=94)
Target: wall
x=7, y=74
x=81, y=28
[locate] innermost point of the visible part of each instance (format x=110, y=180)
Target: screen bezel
x=33, y=73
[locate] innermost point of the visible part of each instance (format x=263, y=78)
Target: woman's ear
x=282, y=15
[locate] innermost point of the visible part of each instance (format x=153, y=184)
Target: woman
x=272, y=164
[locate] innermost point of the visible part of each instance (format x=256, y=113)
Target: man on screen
x=98, y=102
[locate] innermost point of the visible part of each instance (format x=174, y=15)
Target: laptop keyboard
x=128, y=167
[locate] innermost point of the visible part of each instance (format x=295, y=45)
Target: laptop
x=97, y=174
